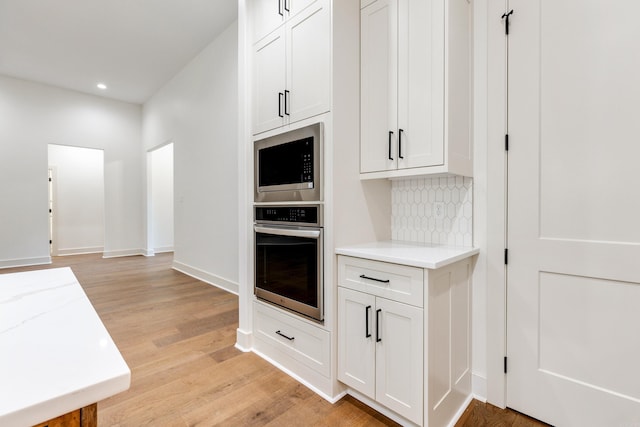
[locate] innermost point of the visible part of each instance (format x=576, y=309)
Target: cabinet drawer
x=393, y=281
x=306, y=343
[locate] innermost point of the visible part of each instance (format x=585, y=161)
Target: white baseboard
x=24, y=262
x=122, y=253
x=244, y=340
x=479, y=387
x=162, y=249
x=463, y=408
x=378, y=407
x=80, y=251
x=325, y=396
x=209, y=278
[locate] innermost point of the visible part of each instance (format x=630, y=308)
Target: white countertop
x=421, y=255
x=55, y=354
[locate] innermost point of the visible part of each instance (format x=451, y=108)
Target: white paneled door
x=573, y=287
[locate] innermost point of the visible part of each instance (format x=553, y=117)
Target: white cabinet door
x=308, y=63
x=420, y=86
x=356, y=340
x=266, y=16
x=399, y=362
x=269, y=79
x=380, y=351
x=378, y=88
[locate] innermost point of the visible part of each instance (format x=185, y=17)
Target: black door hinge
x=506, y=16
x=506, y=256
x=49, y=179
x=506, y=142
x=505, y=364
x=50, y=241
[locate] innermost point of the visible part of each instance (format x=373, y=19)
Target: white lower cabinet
x=404, y=337
x=380, y=350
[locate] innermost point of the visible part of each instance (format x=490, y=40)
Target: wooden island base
x=83, y=417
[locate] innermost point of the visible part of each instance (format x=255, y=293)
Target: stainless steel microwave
x=288, y=166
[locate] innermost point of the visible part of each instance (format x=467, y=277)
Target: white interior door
x=573, y=286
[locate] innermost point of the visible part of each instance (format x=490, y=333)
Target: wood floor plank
x=177, y=335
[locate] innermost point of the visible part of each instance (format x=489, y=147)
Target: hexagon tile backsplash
x=433, y=210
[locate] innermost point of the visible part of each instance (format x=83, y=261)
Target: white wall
x=35, y=115
x=198, y=110
x=78, y=190
x=160, y=162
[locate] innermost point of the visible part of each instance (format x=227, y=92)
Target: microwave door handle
x=313, y=234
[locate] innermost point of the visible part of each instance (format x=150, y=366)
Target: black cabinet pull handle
x=390, y=135
x=284, y=336
x=280, y=8
x=285, y=6
x=367, y=334
x=400, y=143
x=286, y=102
x=362, y=276
x=378, y=338
x=280, y=95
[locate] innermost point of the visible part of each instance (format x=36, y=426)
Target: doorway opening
x=160, y=214
x=76, y=200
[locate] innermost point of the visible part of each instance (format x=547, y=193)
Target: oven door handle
x=313, y=234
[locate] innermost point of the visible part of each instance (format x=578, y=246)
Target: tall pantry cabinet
x=415, y=88
x=288, y=77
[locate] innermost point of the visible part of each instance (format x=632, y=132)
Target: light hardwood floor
x=177, y=335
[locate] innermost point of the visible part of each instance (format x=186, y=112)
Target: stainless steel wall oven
x=289, y=257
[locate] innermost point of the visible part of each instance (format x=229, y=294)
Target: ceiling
x=133, y=46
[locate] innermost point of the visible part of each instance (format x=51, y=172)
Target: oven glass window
x=290, y=163
x=287, y=266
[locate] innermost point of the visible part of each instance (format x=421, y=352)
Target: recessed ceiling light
x=101, y=86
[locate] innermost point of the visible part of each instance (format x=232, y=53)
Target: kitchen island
x=56, y=356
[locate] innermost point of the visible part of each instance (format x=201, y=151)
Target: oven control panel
x=301, y=215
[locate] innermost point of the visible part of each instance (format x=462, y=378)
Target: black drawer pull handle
x=362, y=276
x=378, y=311
x=367, y=334
x=284, y=336
x=390, y=135
x=400, y=143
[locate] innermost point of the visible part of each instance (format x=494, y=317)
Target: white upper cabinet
x=292, y=66
x=267, y=15
x=415, y=74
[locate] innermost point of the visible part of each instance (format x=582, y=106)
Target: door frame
x=496, y=276
x=150, y=246
x=53, y=226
